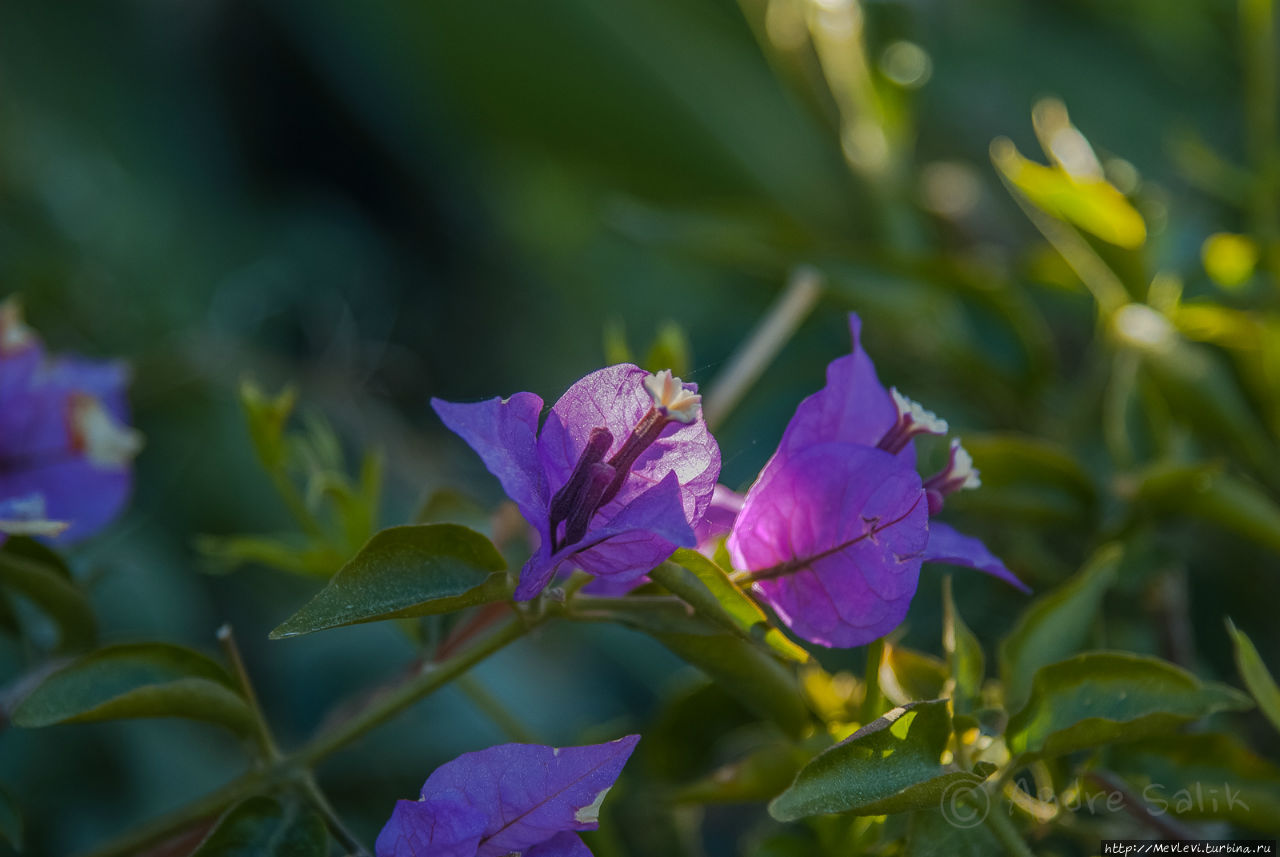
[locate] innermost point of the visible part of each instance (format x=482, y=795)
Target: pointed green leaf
x=892, y=764
x=140, y=680
x=1056, y=624
x=1204, y=491
x=930, y=833
x=264, y=827
x=267, y=416
x=416, y=570
x=766, y=687
x=965, y=659
x=11, y=826
x=1203, y=777
x=907, y=675
x=1107, y=697
x=708, y=589
x=1255, y=674
x=32, y=570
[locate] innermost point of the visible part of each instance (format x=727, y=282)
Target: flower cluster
x=66, y=448
x=524, y=799
x=831, y=535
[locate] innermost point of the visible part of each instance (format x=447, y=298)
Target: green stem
x=492, y=707
x=873, y=701
x=757, y=352
x=293, y=768
x=262, y=731
x=337, y=827
x=297, y=507
x=1003, y=828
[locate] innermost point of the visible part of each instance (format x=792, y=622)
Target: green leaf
x=1107, y=697
x=708, y=589
x=930, y=833
x=267, y=416
x=1203, y=777
x=1028, y=479
x=416, y=570
x=1091, y=204
x=670, y=350
x=892, y=764
x=11, y=826
x=1056, y=624
x=264, y=827
x=33, y=571
x=287, y=553
x=751, y=675
x=965, y=660
x=1204, y=491
x=1255, y=674
x=138, y=680
x=907, y=675
x=758, y=776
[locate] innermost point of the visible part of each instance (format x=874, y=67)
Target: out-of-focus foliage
x=1059, y=220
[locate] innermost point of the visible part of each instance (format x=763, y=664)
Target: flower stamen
x=912, y=420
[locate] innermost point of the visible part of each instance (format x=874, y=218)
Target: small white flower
x=916, y=416
x=670, y=397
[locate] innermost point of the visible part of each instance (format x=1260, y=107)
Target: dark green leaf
x=263, y=827
x=1255, y=674
x=1106, y=697
x=1028, y=479
x=1205, y=491
x=892, y=764
x=709, y=590
x=30, y=572
x=11, y=826
x=140, y=680
x=957, y=833
x=416, y=570
x=1056, y=624
x=1203, y=777
x=758, y=776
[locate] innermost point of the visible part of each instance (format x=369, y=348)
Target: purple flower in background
x=66, y=448
x=524, y=799
x=836, y=527
x=621, y=471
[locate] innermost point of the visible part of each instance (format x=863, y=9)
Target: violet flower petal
x=529, y=793
x=955, y=548
x=635, y=540
x=718, y=521
x=565, y=844
x=86, y=496
x=615, y=398
x=445, y=825
x=504, y=434
x=849, y=525
x=853, y=407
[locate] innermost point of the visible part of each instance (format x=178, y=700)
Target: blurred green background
x=386, y=202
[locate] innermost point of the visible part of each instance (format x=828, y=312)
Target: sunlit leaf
x=1091, y=204
x=1256, y=675
x=907, y=675
x=415, y=570
x=265, y=827
x=1056, y=624
x=1106, y=697
x=32, y=570
x=137, y=680
x=707, y=587
x=892, y=764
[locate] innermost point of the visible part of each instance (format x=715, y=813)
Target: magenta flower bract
x=620, y=472
x=836, y=527
x=524, y=799
x=66, y=449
